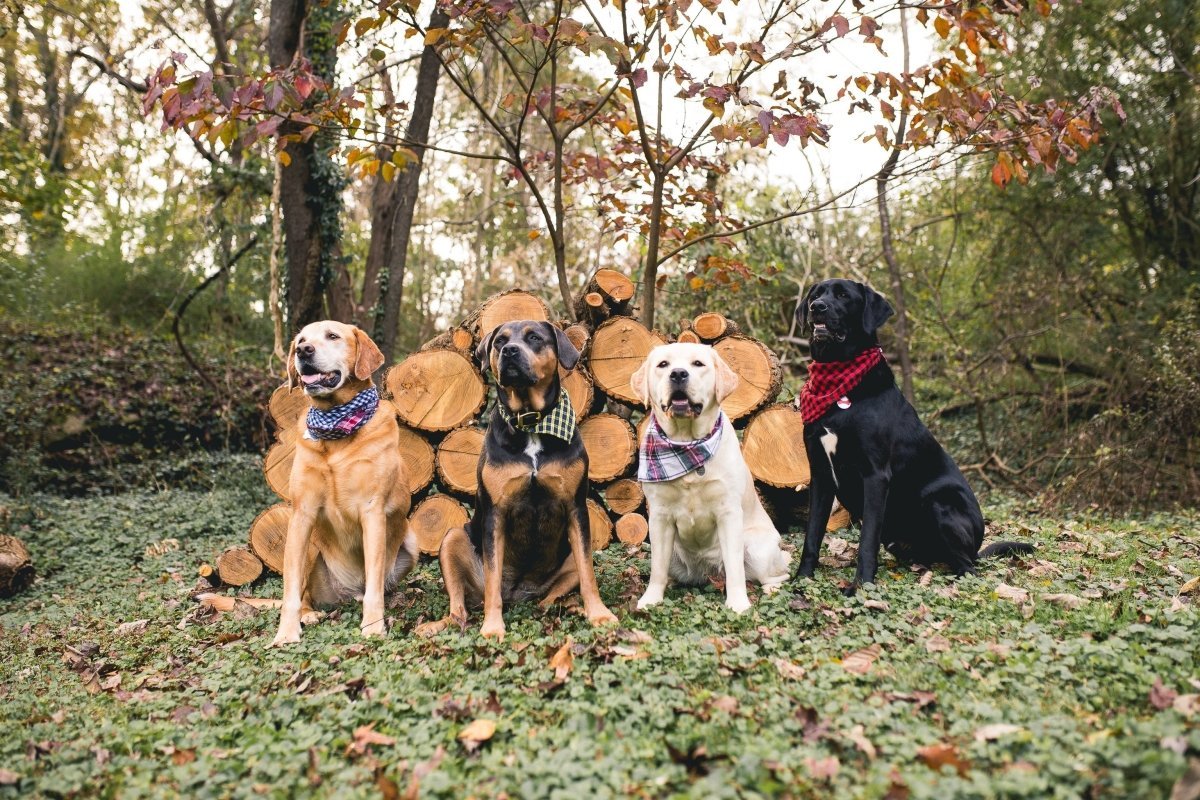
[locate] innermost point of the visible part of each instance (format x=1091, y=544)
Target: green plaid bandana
x=560, y=422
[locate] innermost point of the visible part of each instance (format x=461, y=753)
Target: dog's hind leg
x=462, y=572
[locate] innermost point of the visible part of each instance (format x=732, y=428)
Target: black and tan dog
x=529, y=536
x=867, y=447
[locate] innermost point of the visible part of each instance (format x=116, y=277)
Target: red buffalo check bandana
x=829, y=381
x=664, y=459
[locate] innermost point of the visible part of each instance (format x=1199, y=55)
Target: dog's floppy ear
x=568, y=353
x=293, y=374
x=876, y=309
x=727, y=379
x=483, y=351
x=639, y=382
x=802, y=308
x=369, y=357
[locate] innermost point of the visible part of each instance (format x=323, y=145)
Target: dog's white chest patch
x=534, y=449
x=829, y=444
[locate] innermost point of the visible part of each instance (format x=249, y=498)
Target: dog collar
x=831, y=381
x=663, y=459
x=341, y=421
x=559, y=422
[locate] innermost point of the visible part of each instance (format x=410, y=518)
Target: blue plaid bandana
x=341, y=421
x=664, y=459
x=560, y=422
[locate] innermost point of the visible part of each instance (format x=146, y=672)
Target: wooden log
x=619, y=347
x=624, y=496
x=277, y=467
x=600, y=525
x=688, y=337
x=16, y=566
x=433, y=518
x=578, y=386
x=417, y=454
x=616, y=287
x=237, y=566
x=591, y=309
x=458, y=338
x=758, y=369
x=632, y=528
x=579, y=336
x=268, y=534
x=458, y=460
x=506, y=307
x=610, y=445
x=773, y=446
x=711, y=326
x=436, y=390
x=838, y=519
x=286, y=407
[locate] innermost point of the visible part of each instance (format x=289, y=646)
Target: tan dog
x=709, y=519
x=348, y=536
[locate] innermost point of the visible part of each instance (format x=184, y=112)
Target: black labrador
x=870, y=450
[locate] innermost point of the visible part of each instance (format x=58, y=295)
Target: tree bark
x=393, y=206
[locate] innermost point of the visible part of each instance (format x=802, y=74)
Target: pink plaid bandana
x=341, y=421
x=829, y=381
x=664, y=459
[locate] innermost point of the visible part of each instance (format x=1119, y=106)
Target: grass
x=932, y=689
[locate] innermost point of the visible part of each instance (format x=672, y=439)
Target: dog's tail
x=223, y=602
x=1006, y=549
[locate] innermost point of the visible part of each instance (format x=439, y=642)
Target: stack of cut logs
x=439, y=396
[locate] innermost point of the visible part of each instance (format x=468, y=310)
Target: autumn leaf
x=365, y=736
x=562, y=661
x=995, y=731
x=942, y=26
x=822, y=768
x=941, y=754
x=1191, y=586
x=474, y=735
x=1013, y=593
x=860, y=661
x=285, y=158
x=1161, y=697
x=1071, y=601
x=937, y=644
x=858, y=736
x=435, y=35
x=789, y=670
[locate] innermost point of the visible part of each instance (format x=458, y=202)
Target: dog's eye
x=662, y=365
x=534, y=338
x=332, y=335
x=697, y=363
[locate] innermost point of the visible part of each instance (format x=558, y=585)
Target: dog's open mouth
x=312, y=378
x=680, y=405
x=821, y=333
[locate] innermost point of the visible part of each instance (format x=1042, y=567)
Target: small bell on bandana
x=843, y=402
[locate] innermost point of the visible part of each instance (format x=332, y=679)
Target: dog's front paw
x=738, y=604
x=602, y=616
x=806, y=570
x=286, y=636
x=376, y=628
x=427, y=629
x=650, y=598
x=310, y=617
x=492, y=629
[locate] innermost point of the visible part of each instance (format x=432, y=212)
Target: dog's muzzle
x=315, y=380
x=514, y=369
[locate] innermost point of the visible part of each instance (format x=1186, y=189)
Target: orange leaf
x=860, y=661
x=533, y=235
x=562, y=661
x=942, y=26
x=474, y=735
x=434, y=35
x=936, y=756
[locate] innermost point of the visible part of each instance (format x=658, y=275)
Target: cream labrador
x=705, y=516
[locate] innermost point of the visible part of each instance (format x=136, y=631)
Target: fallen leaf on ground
x=941, y=754
x=726, y=703
x=995, y=731
x=926, y=578
x=1065, y=600
x=1191, y=586
x=823, y=768
x=562, y=661
x=1014, y=593
x=474, y=735
x=364, y=737
x=787, y=669
x=1188, y=785
x=859, y=737
x=126, y=628
x=8, y=777
x=1162, y=697
x=937, y=644
x=1187, y=704
x=860, y=661
x=877, y=605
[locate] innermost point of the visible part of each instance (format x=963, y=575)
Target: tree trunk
x=650, y=278
x=393, y=207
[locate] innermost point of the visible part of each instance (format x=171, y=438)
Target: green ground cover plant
x=1070, y=674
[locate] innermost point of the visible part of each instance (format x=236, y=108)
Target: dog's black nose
x=509, y=350
x=679, y=376
x=818, y=305
x=306, y=349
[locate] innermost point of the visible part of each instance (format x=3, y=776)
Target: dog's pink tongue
x=681, y=406
x=307, y=379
